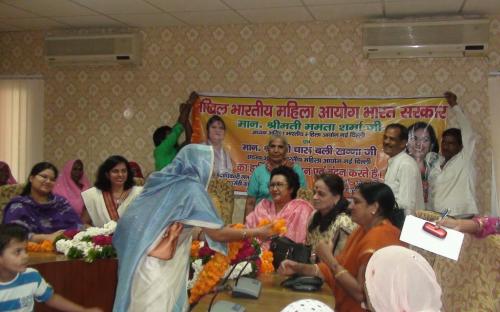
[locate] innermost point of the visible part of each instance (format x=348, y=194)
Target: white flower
x=197, y=266
x=239, y=266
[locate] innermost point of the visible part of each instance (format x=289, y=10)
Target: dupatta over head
x=67, y=188
x=177, y=193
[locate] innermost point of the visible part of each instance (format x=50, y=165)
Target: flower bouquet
x=90, y=244
x=209, y=267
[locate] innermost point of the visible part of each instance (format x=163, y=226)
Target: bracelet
x=316, y=269
x=244, y=234
x=340, y=273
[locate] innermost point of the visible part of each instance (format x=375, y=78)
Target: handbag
x=284, y=248
x=165, y=250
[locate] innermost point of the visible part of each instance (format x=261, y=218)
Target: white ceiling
x=18, y=15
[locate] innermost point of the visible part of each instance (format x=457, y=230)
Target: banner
x=335, y=135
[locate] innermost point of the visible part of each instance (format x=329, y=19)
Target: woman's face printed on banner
x=419, y=143
x=216, y=132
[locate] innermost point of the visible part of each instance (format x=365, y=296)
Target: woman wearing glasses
x=284, y=205
x=44, y=214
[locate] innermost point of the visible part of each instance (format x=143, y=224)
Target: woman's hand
x=324, y=250
x=52, y=237
x=288, y=267
x=264, y=232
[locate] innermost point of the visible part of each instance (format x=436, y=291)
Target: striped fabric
x=18, y=294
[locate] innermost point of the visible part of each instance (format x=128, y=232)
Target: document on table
x=414, y=234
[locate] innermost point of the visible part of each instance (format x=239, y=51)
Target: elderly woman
x=114, y=190
x=153, y=238
x=6, y=175
x=331, y=222
x=374, y=209
x=258, y=186
x=400, y=279
x=216, y=131
x=71, y=183
x=284, y=205
x=43, y=213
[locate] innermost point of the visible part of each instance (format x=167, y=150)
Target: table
x=273, y=297
x=88, y=284
x=94, y=284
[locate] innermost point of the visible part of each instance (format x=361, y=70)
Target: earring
x=373, y=212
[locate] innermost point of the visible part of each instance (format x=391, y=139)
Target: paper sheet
x=448, y=247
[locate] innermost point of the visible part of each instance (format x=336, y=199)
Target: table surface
x=272, y=298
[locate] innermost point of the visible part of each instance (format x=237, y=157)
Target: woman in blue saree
x=173, y=202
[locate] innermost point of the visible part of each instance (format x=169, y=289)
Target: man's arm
x=184, y=117
x=468, y=135
x=410, y=186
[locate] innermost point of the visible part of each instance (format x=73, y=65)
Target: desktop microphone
x=246, y=287
x=227, y=306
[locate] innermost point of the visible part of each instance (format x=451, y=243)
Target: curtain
x=494, y=99
x=21, y=123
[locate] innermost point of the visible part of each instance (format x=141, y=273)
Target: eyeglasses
x=278, y=185
x=45, y=178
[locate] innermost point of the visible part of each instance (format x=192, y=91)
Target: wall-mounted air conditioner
x=454, y=38
x=101, y=49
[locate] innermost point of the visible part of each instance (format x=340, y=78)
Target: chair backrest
x=7, y=192
x=305, y=194
x=139, y=181
x=223, y=190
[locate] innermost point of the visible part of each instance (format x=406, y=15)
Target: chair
x=7, y=192
x=471, y=283
x=223, y=191
x=305, y=194
x=139, y=181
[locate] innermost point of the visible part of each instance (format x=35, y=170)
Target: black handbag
x=284, y=248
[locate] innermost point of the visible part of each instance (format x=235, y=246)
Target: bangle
x=316, y=269
x=30, y=236
x=244, y=234
x=340, y=273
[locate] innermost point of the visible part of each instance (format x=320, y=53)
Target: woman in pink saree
x=71, y=183
x=284, y=205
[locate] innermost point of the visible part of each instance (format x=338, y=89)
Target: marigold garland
x=267, y=262
x=195, y=248
x=213, y=271
x=45, y=246
x=279, y=225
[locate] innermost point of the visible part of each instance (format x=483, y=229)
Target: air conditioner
x=101, y=49
x=453, y=38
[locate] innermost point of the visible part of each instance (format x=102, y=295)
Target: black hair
x=430, y=130
x=160, y=134
x=102, y=181
x=213, y=119
x=37, y=168
x=377, y=192
x=454, y=132
x=10, y=232
x=403, y=131
x=292, y=178
x=336, y=186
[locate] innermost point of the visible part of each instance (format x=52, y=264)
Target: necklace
x=119, y=199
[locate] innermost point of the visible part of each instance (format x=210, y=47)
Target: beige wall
x=84, y=105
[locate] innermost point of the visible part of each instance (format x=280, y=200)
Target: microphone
x=226, y=305
x=246, y=287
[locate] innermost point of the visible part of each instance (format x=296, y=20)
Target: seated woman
x=162, y=218
x=71, y=183
x=5, y=174
x=258, y=186
x=114, y=190
x=43, y=213
x=137, y=173
x=331, y=222
x=374, y=209
x=400, y=279
x=284, y=205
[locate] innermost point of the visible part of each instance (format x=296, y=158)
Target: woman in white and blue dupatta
x=152, y=276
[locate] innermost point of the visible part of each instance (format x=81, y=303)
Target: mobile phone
x=434, y=230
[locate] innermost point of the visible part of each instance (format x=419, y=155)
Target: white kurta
x=94, y=202
x=405, y=181
x=453, y=186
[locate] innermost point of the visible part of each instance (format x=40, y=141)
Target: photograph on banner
x=334, y=135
